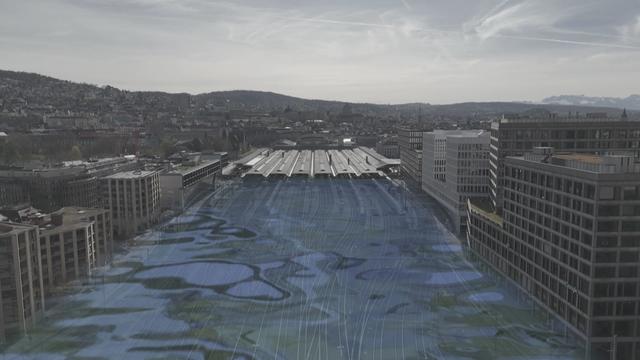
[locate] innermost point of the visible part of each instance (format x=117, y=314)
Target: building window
x=607, y=193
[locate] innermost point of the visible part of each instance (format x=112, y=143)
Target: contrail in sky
x=339, y=22
x=562, y=41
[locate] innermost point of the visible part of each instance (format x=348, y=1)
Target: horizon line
x=523, y=102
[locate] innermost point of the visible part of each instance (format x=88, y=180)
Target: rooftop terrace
x=585, y=162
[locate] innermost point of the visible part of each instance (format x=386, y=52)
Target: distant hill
x=44, y=90
x=630, y=102
x=497, y=108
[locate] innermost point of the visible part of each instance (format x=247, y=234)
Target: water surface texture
x=323, y=269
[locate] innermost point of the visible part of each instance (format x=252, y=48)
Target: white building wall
x=455, y=168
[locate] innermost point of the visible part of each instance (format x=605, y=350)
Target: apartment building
x=21, y=286
x=410, y=144
x=592, y=133
x=67, y=248
x=569, y=238
x=455, y=168
x=102, y=227
x=133, y=197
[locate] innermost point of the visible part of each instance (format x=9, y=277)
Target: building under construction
x=359, y=162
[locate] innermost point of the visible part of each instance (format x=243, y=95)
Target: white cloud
x=631, y=32
x=374, y=50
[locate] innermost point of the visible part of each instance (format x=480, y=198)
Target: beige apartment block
x=134, y=200
x=103, y=229
x=21, y=287
x=67, y=248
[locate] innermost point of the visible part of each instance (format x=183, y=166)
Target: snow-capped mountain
x=630, y=102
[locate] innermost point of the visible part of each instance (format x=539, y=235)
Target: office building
x=389, y=147
x=133, y=197
x=13, y=192
x=434, y=156
x=73, y=183
x=106, y=166
x=455, y=168
x=593, y=133
x=180, y=184
x=569, y=238
x=21, y=286
x=410, y=144
x=52, y=188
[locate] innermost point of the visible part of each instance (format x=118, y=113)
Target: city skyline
x=381, y=52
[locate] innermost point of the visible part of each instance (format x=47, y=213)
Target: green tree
x=196, y=145
x=167, y=147
x=9, y=153
x=76, y=154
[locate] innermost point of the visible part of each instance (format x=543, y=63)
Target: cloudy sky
x=437, y=51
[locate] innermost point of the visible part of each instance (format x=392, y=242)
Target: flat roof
x=473, y=132
x=185, y=169
x=98, y=162
x=584, y=162
x=9, y=227
x=251, y=157
x=587, y=158
x=567, y=121
x=72, y=213
x=67, y=224
x=131, y=174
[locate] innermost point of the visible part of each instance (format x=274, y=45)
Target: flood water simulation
x=297, y=269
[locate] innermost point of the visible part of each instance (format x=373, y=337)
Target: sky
x=391, y=51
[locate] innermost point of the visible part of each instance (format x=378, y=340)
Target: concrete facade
x=21, y=286
x=51, y=189
x=455, y=168
x=134, y=201
x=568, y=238
x=13, y=192
x=591, y=134
x=67, y=251
x=410, y=144
x=74, y=183
x=389, y=147
x=103, y=229
x=434, y=156
x=180, y=184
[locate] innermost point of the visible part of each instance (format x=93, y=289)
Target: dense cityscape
x=330, y=180
x=541, y=203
